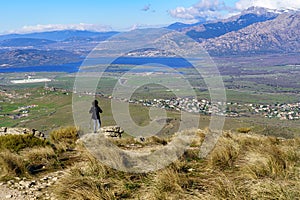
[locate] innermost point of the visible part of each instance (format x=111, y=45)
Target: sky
x=23, y=16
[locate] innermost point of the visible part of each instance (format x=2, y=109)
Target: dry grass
x=11, y=165
x=65, y=138
x=241, y=166
x=40, y=159
x=225, y=154
x=26, y=155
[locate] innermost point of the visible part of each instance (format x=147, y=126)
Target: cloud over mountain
x=58, y=27
x=271, y=4
x=217, y=9
x=204, y=9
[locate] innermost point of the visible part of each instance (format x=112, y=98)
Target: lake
x=173, y=62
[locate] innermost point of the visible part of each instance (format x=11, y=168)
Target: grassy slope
x=241, y=166
x=55, y=110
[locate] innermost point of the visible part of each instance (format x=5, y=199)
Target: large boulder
x=112, y=131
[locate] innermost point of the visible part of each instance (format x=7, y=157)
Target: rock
x=3, y=129
x=10, y=182
x=54, y=179
x=9, y=196
x=20, y=131
x=112, y=131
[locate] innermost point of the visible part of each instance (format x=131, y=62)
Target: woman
x=95, y=111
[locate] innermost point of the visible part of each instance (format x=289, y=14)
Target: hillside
x=216, y=29
x=59, y=35
x=34, y=57
x=19, y=42
x=241, y=166
x=276, y=36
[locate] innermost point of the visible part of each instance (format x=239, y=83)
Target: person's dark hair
x=95, y=103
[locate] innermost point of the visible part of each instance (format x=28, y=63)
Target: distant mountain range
x=256, y=31
x=280, y=35
x=33, y=57
x=61, y=35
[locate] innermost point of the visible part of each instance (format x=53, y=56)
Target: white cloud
x=271, y=4
x=204, y=9
x=216, y=9
x=57, y=27
x=144, y=26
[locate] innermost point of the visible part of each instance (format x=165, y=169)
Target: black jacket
x=95, y=110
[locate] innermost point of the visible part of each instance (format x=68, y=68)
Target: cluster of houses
x=289, y=111
x=22, y=112
x=203, y=106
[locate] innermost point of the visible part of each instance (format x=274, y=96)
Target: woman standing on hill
x=95, y=111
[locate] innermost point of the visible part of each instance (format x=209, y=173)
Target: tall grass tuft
x=82, y=188
x=167, y=182
x=65, y=138
x=40, y=159
x=224, y=154
x=11, y=165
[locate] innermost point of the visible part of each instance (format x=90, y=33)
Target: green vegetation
x=16, y=143
x=244, y=130
x=25, y=155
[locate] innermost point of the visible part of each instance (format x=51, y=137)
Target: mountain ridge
x=256, y=31
x=277, y=36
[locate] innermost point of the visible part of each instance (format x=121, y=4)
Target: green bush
x=16, y=143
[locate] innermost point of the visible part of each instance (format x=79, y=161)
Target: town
x=289, y=111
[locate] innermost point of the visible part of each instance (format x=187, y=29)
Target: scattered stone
x=112, y=131
x=54, y=179
x=10, y=182
x=9, y=196
x=20, y=131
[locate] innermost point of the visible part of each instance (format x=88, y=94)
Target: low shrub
x=16, y=143
x=244, y=130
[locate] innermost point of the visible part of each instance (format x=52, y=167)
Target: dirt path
x=8, y=193
x=31, y=189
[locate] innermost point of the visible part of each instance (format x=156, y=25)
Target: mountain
x=60, y=35
x=180, y=26
x=256, y=31
x=33, y=57
x=251, y=16
x=19, y=42
x=280, y=35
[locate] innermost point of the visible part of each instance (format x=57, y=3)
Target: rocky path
x=33, y=189
x=8, y=193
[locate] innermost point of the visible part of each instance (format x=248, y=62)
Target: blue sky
x=38, y=15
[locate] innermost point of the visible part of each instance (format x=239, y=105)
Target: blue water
x=70, y=68
x=74, y=67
